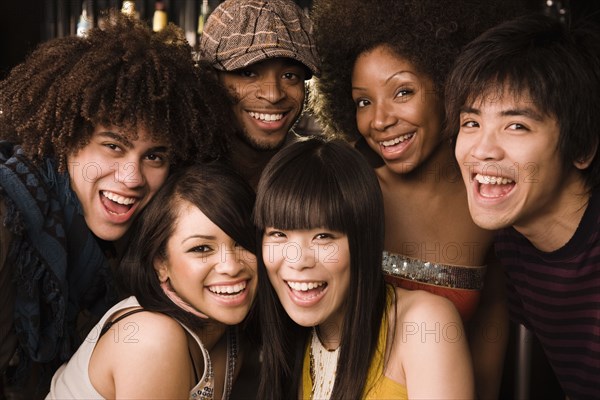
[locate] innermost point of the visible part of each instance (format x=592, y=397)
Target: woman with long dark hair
x=190, y=273
x=331, y=326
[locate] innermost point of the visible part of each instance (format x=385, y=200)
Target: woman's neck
x=210, y=333
x=328, y=336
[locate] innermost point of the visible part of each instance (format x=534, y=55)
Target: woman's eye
x=323, y=236
x=362, y=103
x=200, y=249
x=404, y=92
x=275, y=235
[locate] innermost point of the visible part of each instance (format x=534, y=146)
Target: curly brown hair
x=428, y=33
x=122, y=75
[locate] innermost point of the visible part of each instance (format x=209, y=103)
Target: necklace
x=323, y=365
x=206, y=392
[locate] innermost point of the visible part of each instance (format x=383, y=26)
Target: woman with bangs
x=332, y=328
x=189, y=281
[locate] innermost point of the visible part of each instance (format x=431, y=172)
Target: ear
x=162, y=269
x=586, y=160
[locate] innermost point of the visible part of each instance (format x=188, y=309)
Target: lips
x=265, y=117
x=306, y=291
x=228, y=290
x=115, y=203
x=392, y=148
x=234, y=294
x=492, y=187
x=397, y=140
x=268, y=123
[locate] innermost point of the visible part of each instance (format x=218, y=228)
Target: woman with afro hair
x=90, y=128
x=384, y=64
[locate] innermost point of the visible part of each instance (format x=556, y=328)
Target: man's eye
x=247, y=73
x=470, y=124
x=112, y=146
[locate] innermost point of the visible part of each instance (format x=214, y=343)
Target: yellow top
x=378, y=386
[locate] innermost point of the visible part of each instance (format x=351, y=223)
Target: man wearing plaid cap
x=263, y=52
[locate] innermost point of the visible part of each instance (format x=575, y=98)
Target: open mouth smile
x=306, y=291
x=228, y=290
x=490, y=186
x=397, y=140
x=116, y=204
x=264, y=117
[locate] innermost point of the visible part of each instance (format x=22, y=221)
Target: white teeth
x=266, y=117
x=304, y=286
x=397, y=140
x=492, y=180
x=228, y=289
x=118, y=199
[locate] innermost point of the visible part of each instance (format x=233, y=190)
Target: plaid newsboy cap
x=240, y=33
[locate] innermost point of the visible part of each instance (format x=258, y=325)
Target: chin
x=490, y=222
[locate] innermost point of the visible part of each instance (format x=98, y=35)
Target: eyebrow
x=526, y=112
x=117, y=137
x=199, y=236
x=121, y=139
x=388, y=79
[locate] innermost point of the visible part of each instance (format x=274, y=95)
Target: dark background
x=25, y=23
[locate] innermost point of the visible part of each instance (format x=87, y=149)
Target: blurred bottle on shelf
x=159, y=20
x=204, y=12
x=128, y=9
x=84, y=24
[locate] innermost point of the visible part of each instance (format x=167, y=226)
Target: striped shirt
x=556, y=295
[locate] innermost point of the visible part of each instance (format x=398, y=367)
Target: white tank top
x=71, y=380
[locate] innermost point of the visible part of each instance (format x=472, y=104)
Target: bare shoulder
x=419, y=306
x=145, y=330
x=128, y=352
x=429, y=352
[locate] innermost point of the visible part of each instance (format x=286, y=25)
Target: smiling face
x=114, y=178
x=397, y=109
x=310, y=272
x=510, y=161
x=207, y=268
x=269, y=97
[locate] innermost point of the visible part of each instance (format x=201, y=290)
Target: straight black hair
x=316, y=183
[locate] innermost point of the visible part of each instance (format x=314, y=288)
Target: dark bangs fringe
x=294, y=200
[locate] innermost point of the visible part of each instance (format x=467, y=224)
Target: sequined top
x=379, y=386
x=460, y=284
x=72, y=380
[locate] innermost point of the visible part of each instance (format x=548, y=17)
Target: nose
x=299, y=256
x=231, y=262
x=130, y=173
x=383, y=117
x=271, y=89
x=485, y=146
